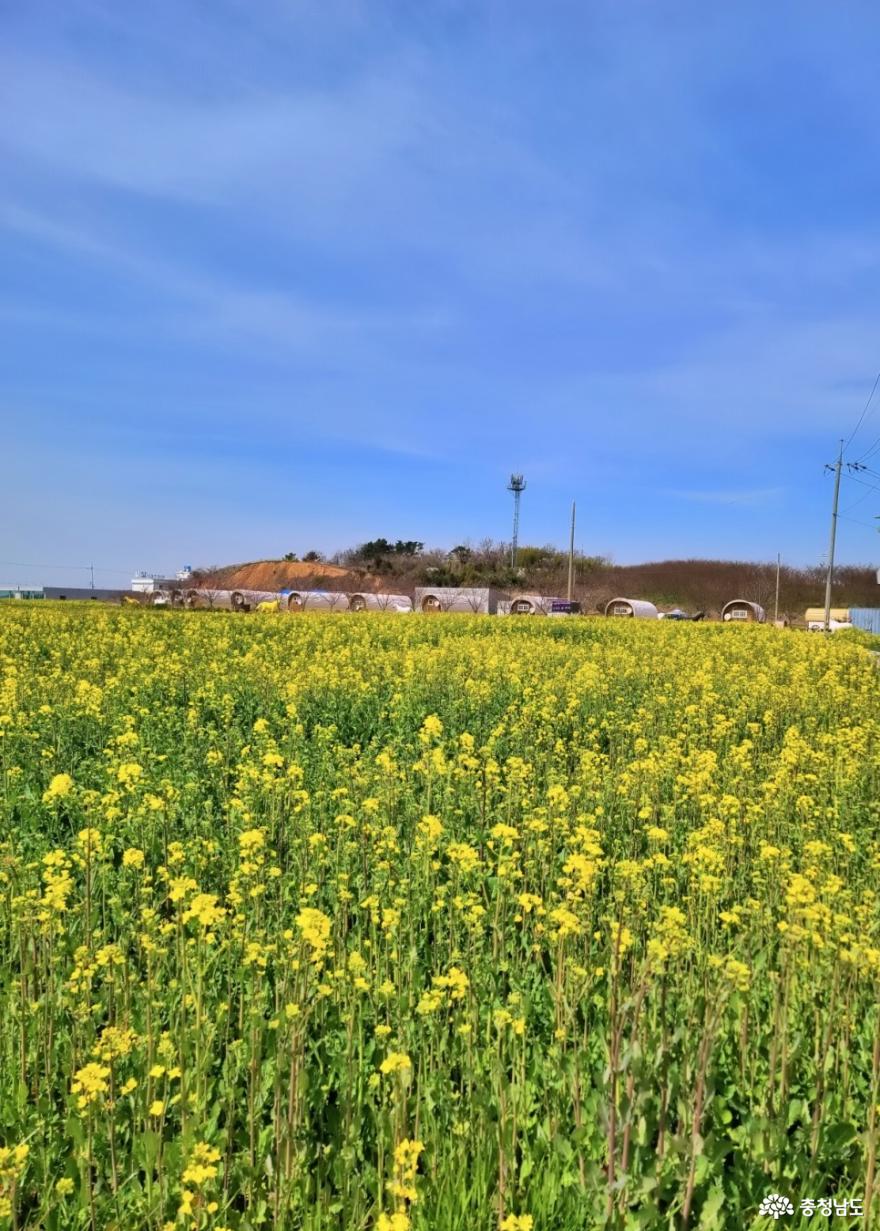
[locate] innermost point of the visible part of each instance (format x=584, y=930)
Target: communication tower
x=517, y=485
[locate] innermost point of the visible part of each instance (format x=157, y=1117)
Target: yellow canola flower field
x=453, y=923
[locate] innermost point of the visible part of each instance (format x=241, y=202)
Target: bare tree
x=212, y=596
x=475, y=598
x=759, y=585
x=337, y=600
x=336, y=597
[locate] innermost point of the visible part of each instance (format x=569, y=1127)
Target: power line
x=861, y=482
x=870, y=452
x=855, y=521
x=84, y=568
x=864, y=412
x=855, y=504
x=875, y=474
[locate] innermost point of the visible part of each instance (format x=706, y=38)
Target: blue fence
x=867, y=618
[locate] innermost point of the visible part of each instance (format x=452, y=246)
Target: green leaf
x=710, y=1219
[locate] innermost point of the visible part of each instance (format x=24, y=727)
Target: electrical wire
x=861, y=482
x=83, y=568
x=864, y=412
x=855, y=521
x=860, y=500
x=871, y=452
x=875, y=474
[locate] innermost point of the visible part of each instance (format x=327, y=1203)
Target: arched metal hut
x=368, y=601
x=317, y=600
x=527, y=604
x=741, y=609
x=246, y=600
x=633, y=608
x=473, y=599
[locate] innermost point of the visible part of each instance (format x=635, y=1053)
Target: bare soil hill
x=285, y=575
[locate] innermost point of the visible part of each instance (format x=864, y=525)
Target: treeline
x=708, y=584
x=691, y=584
x=487, y=563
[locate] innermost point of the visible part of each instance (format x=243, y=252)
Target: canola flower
x=511, y=925
x=393, y=1222
x=396, y=1062
x=59, y=788
x=13, y=1160
x=89, y=1083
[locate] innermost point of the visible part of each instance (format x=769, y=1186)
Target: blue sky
x=282, y=275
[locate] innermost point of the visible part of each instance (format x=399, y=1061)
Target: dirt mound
x=285, y=575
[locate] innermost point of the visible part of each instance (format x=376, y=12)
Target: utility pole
x=517, y=485
x=92, y=570
x=571, y=556
x=836, y=468
x=776, y=605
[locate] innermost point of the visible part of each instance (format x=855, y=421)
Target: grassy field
x=454, y=924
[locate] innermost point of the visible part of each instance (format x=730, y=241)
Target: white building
x=149, y=582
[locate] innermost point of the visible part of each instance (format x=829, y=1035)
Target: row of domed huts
x=286, y=600
x=739, y=609
x=474, y=600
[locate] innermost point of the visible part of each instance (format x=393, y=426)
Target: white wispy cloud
x=745, y=496
x=210, y=306
x=577, y=242
x=83, y=126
